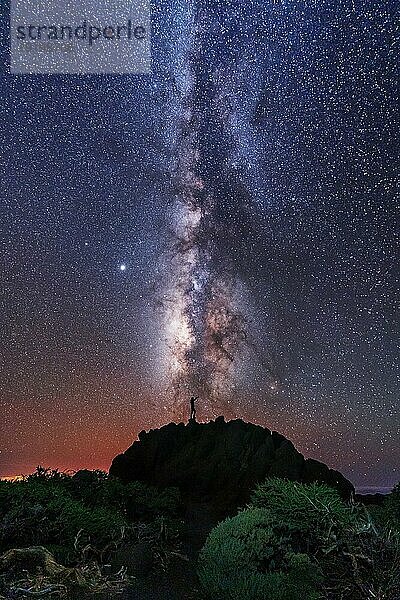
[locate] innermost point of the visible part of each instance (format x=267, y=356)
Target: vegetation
x=83, y=521
x=302, y=541
x=391, y=509
x=87, y=535
x=244, y=558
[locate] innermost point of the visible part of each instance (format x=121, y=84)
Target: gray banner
x=89, y=36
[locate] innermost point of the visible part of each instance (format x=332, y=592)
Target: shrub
x=288, y=525
x=244, y=559
x=50, y=508
x=146, y=502
x=392, y=508
x=136, y=500
x=43, y=514
x=310, y=513
x=85, y=521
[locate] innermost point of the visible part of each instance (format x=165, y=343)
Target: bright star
x=122, y=267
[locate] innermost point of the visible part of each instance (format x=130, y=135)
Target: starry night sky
x=247, y=188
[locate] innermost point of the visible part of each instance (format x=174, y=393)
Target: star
x=249, y=186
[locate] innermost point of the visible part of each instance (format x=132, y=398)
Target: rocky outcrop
x=219, y=461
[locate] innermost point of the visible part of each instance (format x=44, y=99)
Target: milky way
x=249, y=188
x=206, y=325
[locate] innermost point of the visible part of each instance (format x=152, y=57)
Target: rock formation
x=219, y=462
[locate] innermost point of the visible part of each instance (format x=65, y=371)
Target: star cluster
x=226, y=226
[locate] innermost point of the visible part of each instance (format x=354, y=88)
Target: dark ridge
x=219, y=462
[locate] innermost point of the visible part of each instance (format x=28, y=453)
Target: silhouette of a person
x=193, y=408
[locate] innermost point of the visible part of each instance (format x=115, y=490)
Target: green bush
x=312, y=514
x=49, y=508
x=289, y=525
x=136, y=500
x=42, y=514
x=86, y=520
x=244, y=559
x=391, y=508
x=100, y=525
x=146, y=502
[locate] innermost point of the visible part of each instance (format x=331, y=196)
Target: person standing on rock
x=193, y=408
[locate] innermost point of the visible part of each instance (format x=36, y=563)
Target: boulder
x=221, y=461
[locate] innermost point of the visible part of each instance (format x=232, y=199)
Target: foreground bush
x=52, y=509
x=136, y=500
x=289, y=525
x=360, y=558
x=244, y=559
x=312, y=515
x=74, y=536
x=42, y=514
x=391, y=508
